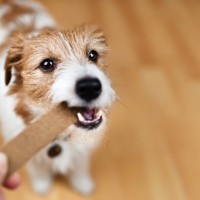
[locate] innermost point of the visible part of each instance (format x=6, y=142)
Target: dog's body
x=43, y=67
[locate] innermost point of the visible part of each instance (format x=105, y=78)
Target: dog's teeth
x=100, y=113
x=80, y=117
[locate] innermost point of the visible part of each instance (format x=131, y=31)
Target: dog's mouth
x=88, y=118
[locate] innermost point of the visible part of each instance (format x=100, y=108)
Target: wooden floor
x=152, y=148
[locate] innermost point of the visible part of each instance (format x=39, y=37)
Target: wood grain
x=152, y=148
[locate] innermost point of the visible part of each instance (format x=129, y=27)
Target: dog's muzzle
x=88, y=89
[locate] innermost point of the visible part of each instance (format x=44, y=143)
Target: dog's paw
x=41, y=186
x=83, y=185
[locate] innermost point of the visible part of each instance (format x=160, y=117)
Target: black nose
x=88, y=88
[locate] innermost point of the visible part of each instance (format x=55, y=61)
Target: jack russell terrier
x=41, y=66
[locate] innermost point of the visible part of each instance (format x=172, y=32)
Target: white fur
x=73, y=162
x=69, y=74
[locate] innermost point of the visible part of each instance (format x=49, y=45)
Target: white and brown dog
x=42, y=67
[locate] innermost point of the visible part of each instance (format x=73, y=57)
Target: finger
x=13, y=181
x=3, y=167
x=1, y=196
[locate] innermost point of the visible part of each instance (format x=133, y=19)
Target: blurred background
x=152, y=147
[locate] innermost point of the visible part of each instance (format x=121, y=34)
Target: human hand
x=13, y=181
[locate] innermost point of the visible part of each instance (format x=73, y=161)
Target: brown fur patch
x=22, y=110
x=14, y=57
x=14, y=12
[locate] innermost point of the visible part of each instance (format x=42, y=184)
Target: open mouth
x=88, y=118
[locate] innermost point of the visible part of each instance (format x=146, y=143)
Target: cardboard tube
x=36, y=136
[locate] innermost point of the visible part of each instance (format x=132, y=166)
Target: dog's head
x=63, y=66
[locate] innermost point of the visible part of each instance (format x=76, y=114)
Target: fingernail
x=3, y=166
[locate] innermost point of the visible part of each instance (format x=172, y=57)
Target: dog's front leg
x=40, y=175
x=80, y=178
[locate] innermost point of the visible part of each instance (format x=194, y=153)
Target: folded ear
x=14, y=57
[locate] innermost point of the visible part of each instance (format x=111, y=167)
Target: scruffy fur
x=29, y=35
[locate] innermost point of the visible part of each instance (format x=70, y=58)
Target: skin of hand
x=10, y=183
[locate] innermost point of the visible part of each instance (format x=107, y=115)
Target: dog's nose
x=88, y=88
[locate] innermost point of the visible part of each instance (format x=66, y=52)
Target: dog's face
x=65, y=66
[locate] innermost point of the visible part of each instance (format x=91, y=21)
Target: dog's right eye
x=47, y=65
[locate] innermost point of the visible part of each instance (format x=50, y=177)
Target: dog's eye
x=47, y=65
x=93, y=56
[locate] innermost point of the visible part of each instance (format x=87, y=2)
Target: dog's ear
x=14, y=56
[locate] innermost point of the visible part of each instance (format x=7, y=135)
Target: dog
x=41, y=66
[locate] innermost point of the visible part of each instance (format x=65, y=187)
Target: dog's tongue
x=89, y=114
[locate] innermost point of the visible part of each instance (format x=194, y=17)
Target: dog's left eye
x=93, y=56
x=47, y=65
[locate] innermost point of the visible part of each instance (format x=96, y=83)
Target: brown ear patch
x=14, y=57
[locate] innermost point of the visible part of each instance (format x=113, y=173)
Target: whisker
x=118, y=100
x=129, y=110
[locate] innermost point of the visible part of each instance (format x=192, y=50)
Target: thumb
x=3, y=167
